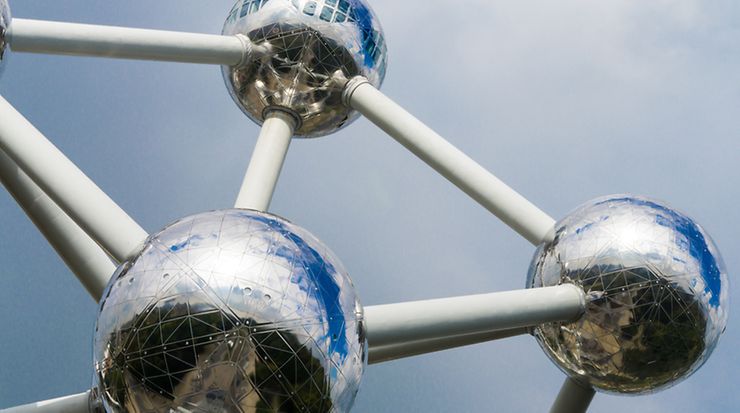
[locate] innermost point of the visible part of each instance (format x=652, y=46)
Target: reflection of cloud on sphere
x=314, y=46
x=232, y=310
x=657, y=290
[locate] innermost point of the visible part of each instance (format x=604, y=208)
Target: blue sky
x=565, y=101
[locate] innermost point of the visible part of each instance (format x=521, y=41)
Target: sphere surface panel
x=5, y=20
x=313, y=48
x=657, y=294
x=230, y=311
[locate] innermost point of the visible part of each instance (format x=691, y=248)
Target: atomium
x=657, y=294
x=241, y=311
x=4, y=24
x=313, y=48
x=231, y=310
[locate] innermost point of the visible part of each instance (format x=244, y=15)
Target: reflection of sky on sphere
x=263, y=274
x=333, y=15
x=313, y=48
x=329, y=284
x=693, y=240
x=634, y=91
x=656, y=285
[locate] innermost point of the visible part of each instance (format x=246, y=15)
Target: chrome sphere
x=230, y=311
x=310, y=49
x=4, y=24
x=656, y=288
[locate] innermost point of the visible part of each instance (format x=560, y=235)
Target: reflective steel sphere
x=657, y=292
x=4, y=24
x=313, y=47
x=230, y=311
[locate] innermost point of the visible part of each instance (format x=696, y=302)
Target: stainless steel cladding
x=657, y=294
x=230, y=311
x=309, y=49
x=5, y=20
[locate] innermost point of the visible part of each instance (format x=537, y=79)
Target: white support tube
x=512, y=208
x=38, y=36
x=101, y=218
x=573, y=398
x=394, y=352
x=397, y=324
x=78, y=403
x=267, y=161
x=82, y=255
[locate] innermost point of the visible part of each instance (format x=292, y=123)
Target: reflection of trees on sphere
x=313, y=48
x=656, y=289
x=231, y=310
x=4, y=23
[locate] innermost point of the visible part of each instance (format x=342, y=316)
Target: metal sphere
x=313, y=47
x=5, y=19
x=656, y=288
x=230, y=311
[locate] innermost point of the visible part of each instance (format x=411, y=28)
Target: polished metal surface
x=4, y=24
x=314, y=47
x=656, y=288
x=230, y=311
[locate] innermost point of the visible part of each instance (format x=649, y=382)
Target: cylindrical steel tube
x=82, y=255
x=573, y=398
x=39, y=36
x=512, y=208
x=267, y=161
x=101, y=218
x=396, y=324
x=414, y=348
x=78, y=403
